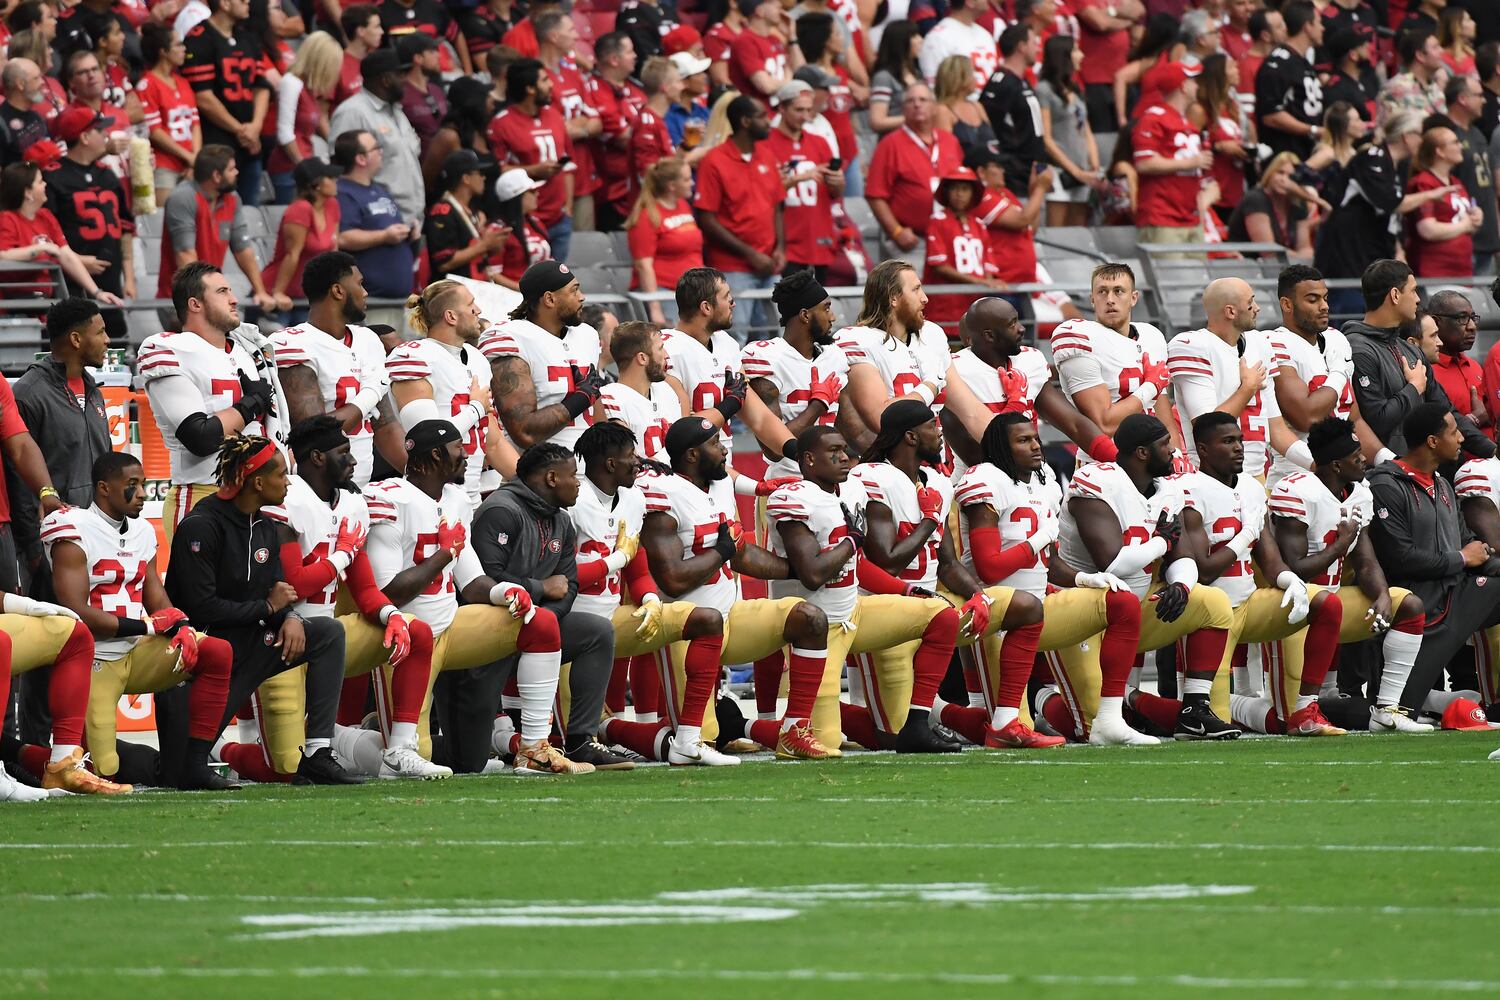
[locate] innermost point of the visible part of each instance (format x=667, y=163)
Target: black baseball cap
x=381, y=61
x=545, y=276
x=310, y=169
x=460, y=162
x=411, y=45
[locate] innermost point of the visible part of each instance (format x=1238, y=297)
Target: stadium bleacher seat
x=591, y=250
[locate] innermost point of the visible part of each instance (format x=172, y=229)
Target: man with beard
x=1353, y=80
x=376, y=109
x=444, y=371
x=1006, y=377
x=739, y=206
x=544, y=360
x=330, y=365
x=644, y=398
x=224, y=65
x=891, y=353
x=203, y=386
x=535, y=136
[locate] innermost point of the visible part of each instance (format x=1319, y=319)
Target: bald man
x=995, y=373
x=1229, y=366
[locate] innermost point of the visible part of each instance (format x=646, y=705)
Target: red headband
x=260, y=458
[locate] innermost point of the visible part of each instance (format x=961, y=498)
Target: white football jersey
x=1225, y=510
x=1206, y=371
x=899, y=365
x=404, y=532
x=1135, y=514
x=1479, y=477
x=1303, y=497
x=781, y=364
x=316, y=526
x=598, y=519
x=1311, y=365
x=117, y=557
x=345, y=366
x=698, y=516
x=451, y=373
x=823, y=514
x=1022, y=508
x=650, y=417
x=701, y=369
x=172, y=365
x=550, y=360
x=984, y=380
x=885, y=484
x=1087, y=354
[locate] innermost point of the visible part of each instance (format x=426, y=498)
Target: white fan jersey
x=822, y=513
x=404, y=532
x=883, y=483
x=1225, y=510
x=650, y=417
x=698, y=516
x=350, y=369
x=1303, y=497
x=1135, y=514
x=1311, y=365
x=185, y=374
x=783, y=366
x=117, y=557
x=1022, y=508
x=1479, y=477
x=701, y=369
x=899, y=365
x=451, y=372
x=1206, y=371
x=1087, y=354
x=550, y=360
x=316, y=525
x=598, y=519
x=984, y=380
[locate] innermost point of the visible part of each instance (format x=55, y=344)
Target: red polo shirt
x=904, y=171
x=743, y=192
x=807, y=212
x=1461, y=376
x=530, y=141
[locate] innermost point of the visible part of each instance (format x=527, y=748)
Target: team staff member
x=203, y=385
x=227, y=579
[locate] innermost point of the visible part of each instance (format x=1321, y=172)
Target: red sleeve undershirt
x=638, y=577
x=876, y=580
x=993, y=563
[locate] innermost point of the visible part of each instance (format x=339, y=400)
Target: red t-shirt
x=674, y=245
x=752, y=53
x=1227, y=170
x=18, y=231
x=618, y=109
x=1235, y=44
x=170, y=106
x=1012, y=251
x=522, y=38
x=1167, y=199
x=840, y=115
x=317, y=241
x=572, y=96
x=904, y=171
x=1445, y=258
x=513, y=263
x=529, y=141
x=743, y=192
x=1104, y=54
x=718, y=41
x=959, y=242
x=649, y=143
x=215, y=222
x=351, y=81
x=807, y=210
x=11, y=424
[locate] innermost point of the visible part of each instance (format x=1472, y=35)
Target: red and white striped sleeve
x=1473, y=482
x=1089, y=483
x=405, y=364
x=157, y=360
x=973, y=489
x=786, y=505
x=289, y=350
x=379, y=502
x=754, y=363
x=1287, y=500
x=497, y=342
x=59, y=526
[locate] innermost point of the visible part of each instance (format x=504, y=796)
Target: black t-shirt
x=645, y=24
x=427, y=16
x=91, y=209
x=18, y=130
x=1016, y=118
x=1359, y=230
x=1351, y=89
x=1286, y=82
x=1490, y=120
x=230, y=68
x=1257, y=202
x=482, y=29
x=446, y=233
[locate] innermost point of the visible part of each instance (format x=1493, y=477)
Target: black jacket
x=223, y=567
x=70, y=439
x=1417, y=535
x=1385, y=397
x=521, y=538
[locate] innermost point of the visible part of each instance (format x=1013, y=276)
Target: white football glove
x=16, y=604
x=1100, y=581
x=1045, y=534
x=1296, y=596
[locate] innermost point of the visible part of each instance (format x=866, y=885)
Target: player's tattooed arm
x=515, y=401
x=881, y=544
x=412, y=580
x=1053, y=408
x=303, y=397
x=814, y=566
x=674, y=572
x=1291, y=542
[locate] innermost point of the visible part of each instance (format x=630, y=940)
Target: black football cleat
x=323, y=768
x=591, y=751
x=918, y=736
x=197, y=776
x=1197, y=721
x=732, y=723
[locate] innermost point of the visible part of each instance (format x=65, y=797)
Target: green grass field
x=1264, y=867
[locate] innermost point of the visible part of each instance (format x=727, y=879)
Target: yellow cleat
x=543, y=758
x=799, y=743
x=70, y=775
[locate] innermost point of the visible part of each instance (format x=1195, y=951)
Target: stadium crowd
x=530, y=539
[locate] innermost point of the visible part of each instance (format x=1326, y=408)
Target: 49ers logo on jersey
x=261, y=555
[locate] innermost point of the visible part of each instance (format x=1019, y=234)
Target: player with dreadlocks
x=226, y=577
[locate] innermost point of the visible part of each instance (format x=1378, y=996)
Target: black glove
x=1171, y=602
x=257, y=398
x=735, y=391
x=585, y=391
x=1169, y=529
x=855, y=533
x=724, y=544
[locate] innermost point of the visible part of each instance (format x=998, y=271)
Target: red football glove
x=979, y=607
x=827, y=390
x=766, y=487
x=1156, y=373
x=737, y=533
x=452, y=537
x=167, y=621
x=930, y=501
x=397, y=637
x=1013, y=386
x=351, y=538
x=185, y=643
x=514, y=598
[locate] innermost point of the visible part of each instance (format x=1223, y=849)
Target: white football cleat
x=12, y=790
x=1395, y=719
x=700, y=755
x=1116, y=732
x=1495, y=755
x=406, y=762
